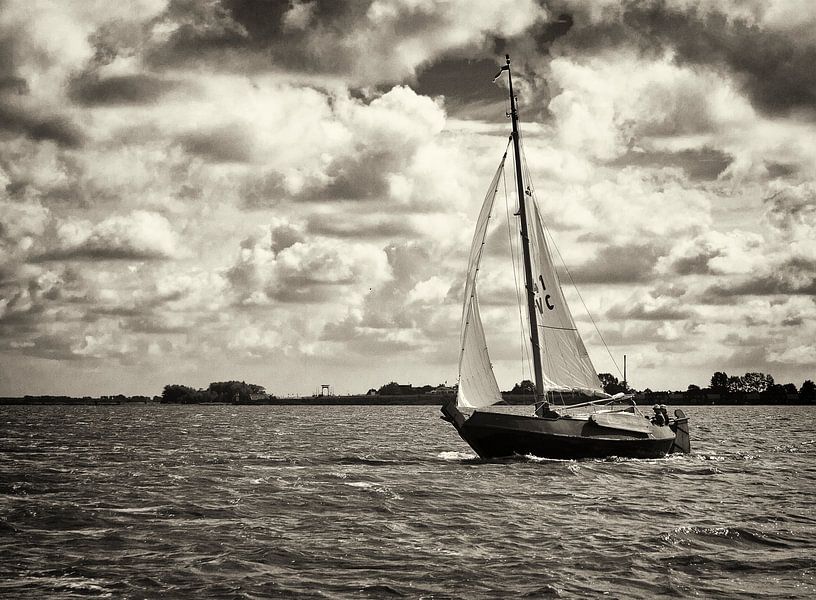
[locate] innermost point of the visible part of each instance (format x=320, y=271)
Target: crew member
x=658, y=418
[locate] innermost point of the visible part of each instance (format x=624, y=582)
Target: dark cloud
x=154, y=325
x=40, y=127
x=618, y=264
x=90, y=90
x=794, y=277
x=225, y=144
x=202, y=31
x=700, y=164
x=252, y=35
x=776, y=169
x=98, y=250
x=775, y=69
x=639, y=311
x=466, y=86
x=696, y=264
x=795, y=321
x=12, y=84
x=357, y=226
x=352, y=176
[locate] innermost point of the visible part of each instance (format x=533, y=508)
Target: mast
x=525, y=242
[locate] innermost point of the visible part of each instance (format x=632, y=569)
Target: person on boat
x=665, y=412
x=658, y=418
x=545, y=412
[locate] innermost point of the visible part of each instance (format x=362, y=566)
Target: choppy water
x=277, y=502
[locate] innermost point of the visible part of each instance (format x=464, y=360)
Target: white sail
x=565, y=364
x=477, y=383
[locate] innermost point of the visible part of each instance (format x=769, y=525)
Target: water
x=340, y=502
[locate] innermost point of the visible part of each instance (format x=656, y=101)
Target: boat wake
x=457, y=456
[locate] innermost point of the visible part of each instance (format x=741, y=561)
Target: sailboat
x=601, y=426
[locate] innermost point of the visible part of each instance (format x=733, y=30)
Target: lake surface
x=365, y=501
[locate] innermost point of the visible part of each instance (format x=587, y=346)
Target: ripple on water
x=378, y=502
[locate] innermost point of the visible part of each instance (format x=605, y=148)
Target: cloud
x=144, y=143
x=39, y=127
x=703, y=163
x=357, y=225
x=383, y=41
x=140, y=235
x=300, y=270
x=792, y=211
x=715, y=253
x=791, y=277
x=231, y=143
x=772, y=66
x=618, y=264
x=139, y=88
x=651, y=309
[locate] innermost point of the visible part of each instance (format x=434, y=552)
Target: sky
x=284, y=192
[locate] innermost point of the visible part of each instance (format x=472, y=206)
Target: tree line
x=723, y=389
x=237, y=392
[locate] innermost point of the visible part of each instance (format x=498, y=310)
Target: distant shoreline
x=669, y=398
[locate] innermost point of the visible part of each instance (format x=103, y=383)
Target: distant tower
x=625, y=387
x=325, y=389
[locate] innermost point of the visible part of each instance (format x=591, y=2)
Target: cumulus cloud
x=300, y=270
x=368, y=43
x=138, y=88
x=618, y=264
x=140, y=235
x=144, y=143
x=792, y=211
x=744, y=40
x=715, y=253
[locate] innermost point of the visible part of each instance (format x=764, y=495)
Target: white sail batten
x=565, y=363
x=477, y=383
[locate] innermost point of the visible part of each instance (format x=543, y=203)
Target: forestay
x=565, y=363
x=477, y=383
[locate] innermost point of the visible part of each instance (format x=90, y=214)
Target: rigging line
x=513, y=260
x=558, y=328
x=563, y=264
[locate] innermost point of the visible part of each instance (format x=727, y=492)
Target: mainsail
x=565, y=363
x=477, y=383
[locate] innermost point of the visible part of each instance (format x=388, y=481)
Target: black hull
x=500, y=435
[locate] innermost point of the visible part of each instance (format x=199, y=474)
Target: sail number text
x=539, y=304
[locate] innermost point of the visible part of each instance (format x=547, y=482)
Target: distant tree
x=756, y=382
x=807, y=393
x=174, y=393
x=719, y=382
x=395, y=389
x=524, y=387
x=735, y=384
x=790, y=388
x=773, y=394
x=610, y=383
x=229, y=391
